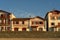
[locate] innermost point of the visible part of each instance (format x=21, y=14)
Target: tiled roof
x=23, y=19
x=20, y=19
x=5, y=12
x=39, y=17
x=57, y=11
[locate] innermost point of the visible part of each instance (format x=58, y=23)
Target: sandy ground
x=29, y=38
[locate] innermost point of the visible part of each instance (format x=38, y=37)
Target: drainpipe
x=29, y=24
x=5, y=22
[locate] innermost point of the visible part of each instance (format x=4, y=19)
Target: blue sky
x=24, y=8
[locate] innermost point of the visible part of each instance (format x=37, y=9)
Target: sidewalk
x=29, y=38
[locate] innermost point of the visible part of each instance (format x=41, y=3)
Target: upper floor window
x=34, y=22
x=0, y=20
x=52, y=18
x=59, y=24
x=58, y=18
x=17, y=22
x=41, y=22
x=37, y=22
x=22, y=22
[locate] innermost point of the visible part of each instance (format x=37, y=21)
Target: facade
x=37, y=24
x=20, y=24
x=5, y=19
x=53, y=20
x=8, y=22
x=28, y=24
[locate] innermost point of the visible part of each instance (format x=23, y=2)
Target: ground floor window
x=55, y=29
x=23, y=29
x=2, y=28
x=51, y=29
x=15, y=29
x=58, y=29
x=34, y=29
x=40, y=29
x=7, y=28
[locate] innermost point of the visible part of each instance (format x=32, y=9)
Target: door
x=23, y=29
x=8, y=29
x=15, y=29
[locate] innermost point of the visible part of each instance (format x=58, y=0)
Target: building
x=28, y=24
x=53, y=20
x=5, y=20
x=37, y=24
x=20, y=24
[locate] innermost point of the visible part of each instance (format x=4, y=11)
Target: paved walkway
x=29, y=38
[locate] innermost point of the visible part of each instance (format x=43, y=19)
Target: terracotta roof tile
x=23, y=19
x=20, y=19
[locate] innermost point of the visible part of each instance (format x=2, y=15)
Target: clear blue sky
x=24, y=8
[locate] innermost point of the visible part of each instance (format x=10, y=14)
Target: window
x=37, y=22
x=16, y=29
x=53, y=18
x=17, y=22
x=41, y=22
x=7, y=28
x=58, y=29
x=33, y=22
x=2, y=28
x=1, y=14
x=13, y=22
x=51, y=29
x=58, y=18
x=22, y=22
x=52, y=24
x=0, y=21
x=8, y=21
x=34, y=29
x=40, y=29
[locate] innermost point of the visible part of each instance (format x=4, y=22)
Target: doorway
x=23, y=29
x=15, y=29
